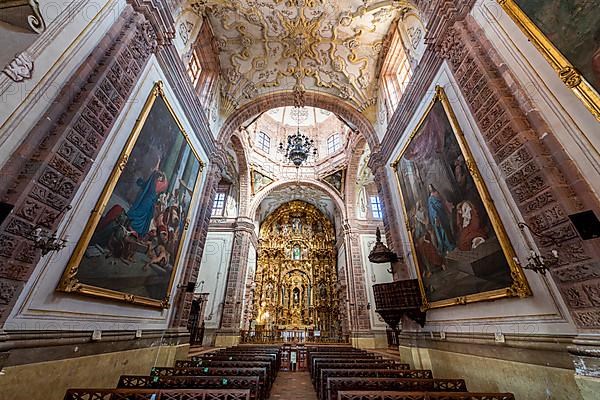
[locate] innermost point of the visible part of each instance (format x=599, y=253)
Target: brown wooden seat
x=261, y=373
x=158, y=394
x=257, y=390
x=369, y=373
x=355, y=364
x=391, y=395
x=228, y=363
x=334, y=385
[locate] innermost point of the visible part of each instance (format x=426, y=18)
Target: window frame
x=334, y=143
x=216, y=201
x=263, y=140
x=376, y=207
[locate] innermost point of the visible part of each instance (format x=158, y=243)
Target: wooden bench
x=359, y=364
x=240, y=357
x=334, y=385
x=257, y=390
x=229, y=364
x=158, y=394
x=369, y=373
x=261, y=373
x=237, y=352
x=391, y=395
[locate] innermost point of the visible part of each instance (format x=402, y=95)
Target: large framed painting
x=567, y=33
x=132, y=243
x=459, y=246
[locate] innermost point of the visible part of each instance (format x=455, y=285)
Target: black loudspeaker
x=190, y=287
x=5, y=209
x=587, y=224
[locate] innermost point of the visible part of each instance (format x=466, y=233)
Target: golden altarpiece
x=296, y=277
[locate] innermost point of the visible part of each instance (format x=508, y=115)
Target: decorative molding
x=20, y=68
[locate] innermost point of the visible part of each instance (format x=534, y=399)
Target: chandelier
x=298, y=148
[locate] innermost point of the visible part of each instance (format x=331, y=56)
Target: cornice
x=159, y=16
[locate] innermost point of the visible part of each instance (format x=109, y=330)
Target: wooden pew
x=369, y=373
x=158, y=394
x=261, y=373
x=230, y=364
x=240, y=357
x=257, y=391
x=313, y=360
x=334, y=385
x=364, y=364
x=391, y=395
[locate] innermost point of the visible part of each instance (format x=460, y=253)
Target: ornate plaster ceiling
x=309, y=194
x=302, y=45
x=304, y=116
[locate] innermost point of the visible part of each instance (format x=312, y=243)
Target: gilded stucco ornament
x=325, y=47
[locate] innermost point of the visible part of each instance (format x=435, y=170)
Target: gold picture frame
x=519, y=286
x=567, y=73
x=69, y=282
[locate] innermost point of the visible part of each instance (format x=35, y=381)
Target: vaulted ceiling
x=307, y=45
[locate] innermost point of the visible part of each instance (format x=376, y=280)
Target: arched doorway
x=297, y=290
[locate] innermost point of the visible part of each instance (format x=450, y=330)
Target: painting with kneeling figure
x=459, y=245
x=130, y=249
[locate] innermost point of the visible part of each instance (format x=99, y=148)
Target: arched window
x=203, y=65
x=263, y=142
x=334, y=143
x=376, y=207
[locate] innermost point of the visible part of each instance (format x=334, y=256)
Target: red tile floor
x=293, y=386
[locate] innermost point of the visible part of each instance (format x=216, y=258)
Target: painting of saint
x=132, y=247
x=567, y=32
x=460, y=247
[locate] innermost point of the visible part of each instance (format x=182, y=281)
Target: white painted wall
x=73, y=30
x=569, y=120
x=39, y=307
x=213, y=271
x=374, y=274
x=544, y=312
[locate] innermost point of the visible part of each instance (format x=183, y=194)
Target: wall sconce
x=46, y=242
x=535, y=261
x=537, y=264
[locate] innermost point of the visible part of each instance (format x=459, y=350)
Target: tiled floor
x=293, y=386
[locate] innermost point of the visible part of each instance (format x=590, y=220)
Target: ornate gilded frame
x=69, y=282
x=520, y=287
x=566, y=71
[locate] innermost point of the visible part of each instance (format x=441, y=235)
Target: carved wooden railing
x=257, y=388
x=395, y=299
x=157, y=394
x=334, y=385
x=364, y=364
x=393, y=395
x=261, y=373
x=369, y=373
x=231, y=364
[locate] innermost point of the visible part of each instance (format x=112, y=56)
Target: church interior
x=299, y=199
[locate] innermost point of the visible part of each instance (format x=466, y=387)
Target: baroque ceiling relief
x=299, y=45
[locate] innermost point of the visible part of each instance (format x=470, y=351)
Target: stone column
x=229, y=332
x=183, y=300
x=356, y=291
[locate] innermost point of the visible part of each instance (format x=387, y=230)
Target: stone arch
x=244, y=172
x=257, y=200
x=311, y=99
x=352, y=170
